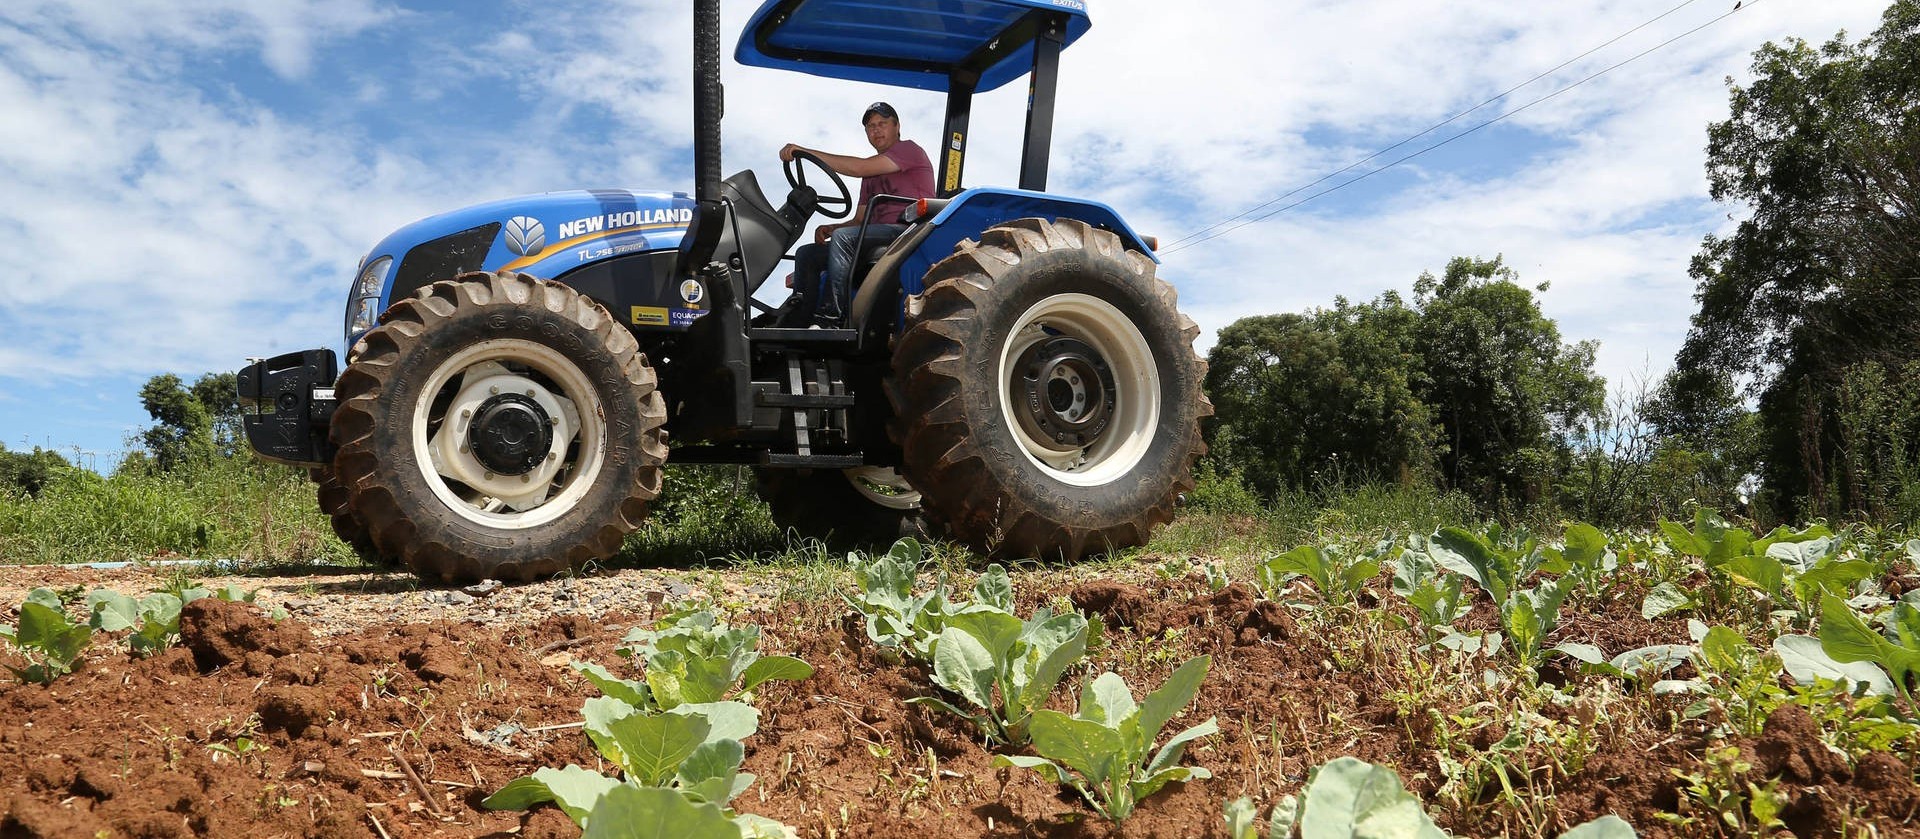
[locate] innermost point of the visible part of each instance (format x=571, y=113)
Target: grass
x=1222, y=521
x=253, y=513
x=262, y=515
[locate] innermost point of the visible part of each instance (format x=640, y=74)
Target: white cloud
x=181, y=219
x=284, y=32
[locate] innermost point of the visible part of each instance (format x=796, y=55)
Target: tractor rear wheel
x=842, y=507
x=1046, y=394
x=498, y=425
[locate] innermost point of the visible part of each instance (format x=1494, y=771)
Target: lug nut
x=494, y=391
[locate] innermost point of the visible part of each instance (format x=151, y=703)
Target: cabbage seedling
x=50, y=642
x=1102, y=751
x=1004, y=667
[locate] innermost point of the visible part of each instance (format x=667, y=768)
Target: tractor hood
x=546, y=235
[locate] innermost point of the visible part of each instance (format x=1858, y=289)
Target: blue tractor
x=1012, y=374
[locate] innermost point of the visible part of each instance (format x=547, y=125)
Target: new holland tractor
x=1012, y=373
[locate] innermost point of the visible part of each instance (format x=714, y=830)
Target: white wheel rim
x=884, y=487
x=1120, y=446
x=465, y=484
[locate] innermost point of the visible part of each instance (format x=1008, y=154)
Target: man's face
x=882, y=132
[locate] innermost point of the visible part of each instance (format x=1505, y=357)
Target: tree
x=29, y=473
x=1325, y=395
x=1503, y=388
x=193, y=424
x=1824, y=148
x=219, y=393
x=1471, y=385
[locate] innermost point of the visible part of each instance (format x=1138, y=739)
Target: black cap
x=880, y=108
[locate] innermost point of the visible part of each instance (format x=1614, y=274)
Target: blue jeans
x=835, y=286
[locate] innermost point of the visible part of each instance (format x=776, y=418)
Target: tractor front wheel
x=501, y=426
x=1046, y=393
x=336, y=503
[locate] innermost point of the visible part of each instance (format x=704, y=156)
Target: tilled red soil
x=401, y=730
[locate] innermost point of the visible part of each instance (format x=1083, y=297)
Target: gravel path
x=339, y=601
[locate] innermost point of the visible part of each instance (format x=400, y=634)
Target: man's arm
x=847, y=165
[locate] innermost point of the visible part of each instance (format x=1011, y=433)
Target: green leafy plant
x=51, y=643
x=154, y=619
x=1003, y=667
x=1102, y=751
x=1742, y=682
x=1791, y=569
x=1583, y=558
x=1808, y=663
x=691, y=752
x=1335, y=575
x=1436, y=597
x=897, y=620
x=1490, y=561
x=693, y=657
x=651, y=813
x=1349, y=798
x=1847, y=638
x=1664, y=599
x=1856, y=723
x=1529, y=615
x=1641, y=663
x=1240, y=814
x=1722, y=793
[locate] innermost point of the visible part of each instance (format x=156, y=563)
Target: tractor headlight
x=364, y=299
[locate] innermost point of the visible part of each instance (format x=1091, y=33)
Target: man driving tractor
x=898, y=168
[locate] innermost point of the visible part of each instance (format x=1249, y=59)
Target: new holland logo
x=525, y=236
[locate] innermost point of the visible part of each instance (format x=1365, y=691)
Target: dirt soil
x=378, y=709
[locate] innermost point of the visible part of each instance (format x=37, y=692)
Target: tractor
x=1011, y=374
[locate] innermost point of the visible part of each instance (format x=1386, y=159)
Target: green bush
x=225, y=508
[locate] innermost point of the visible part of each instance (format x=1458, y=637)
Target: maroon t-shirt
x=914, y=180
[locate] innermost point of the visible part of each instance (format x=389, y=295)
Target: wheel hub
x=511, y=434
x=1065, y=392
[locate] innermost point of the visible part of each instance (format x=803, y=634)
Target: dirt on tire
x=410, y=367
x=963, y=452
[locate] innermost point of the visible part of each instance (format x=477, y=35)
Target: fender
x=966, y=216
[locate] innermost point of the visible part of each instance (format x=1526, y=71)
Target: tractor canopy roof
x=925, y=44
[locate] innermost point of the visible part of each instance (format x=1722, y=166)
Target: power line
x=1436, y=126
x=1184, y=242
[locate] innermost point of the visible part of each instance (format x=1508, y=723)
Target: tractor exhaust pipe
x=709, y=100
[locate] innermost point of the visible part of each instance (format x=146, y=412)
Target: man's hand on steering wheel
x=832, y=206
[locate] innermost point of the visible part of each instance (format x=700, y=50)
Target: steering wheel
x=839, y=206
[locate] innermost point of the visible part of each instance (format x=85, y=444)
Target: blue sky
x=192, y=183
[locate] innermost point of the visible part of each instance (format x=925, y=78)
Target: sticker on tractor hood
x=630, y=218
x=649, y=316
x=691, y=292
x=613, y=246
